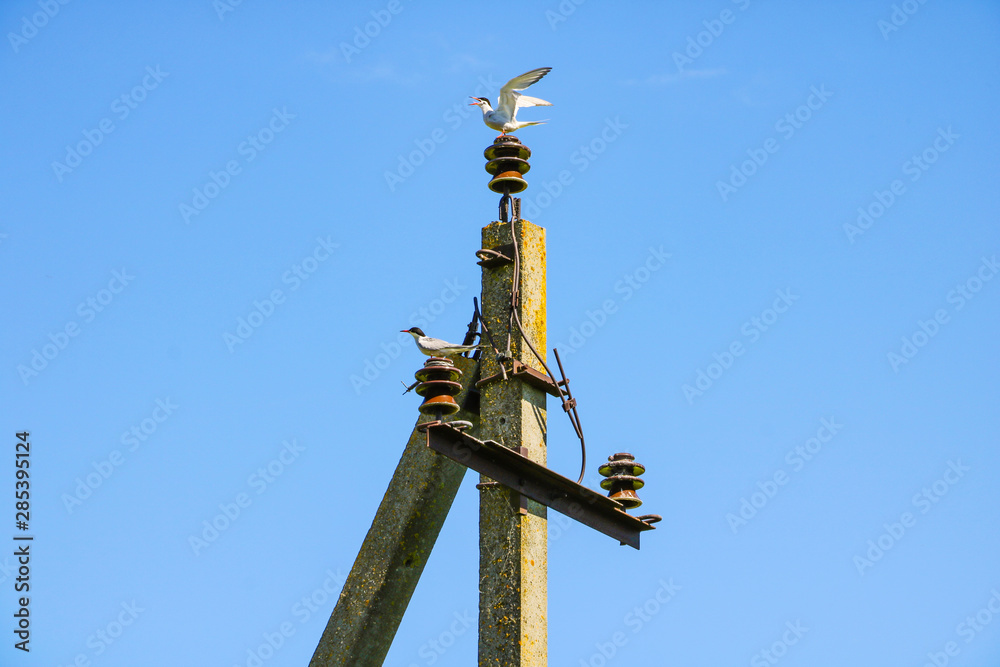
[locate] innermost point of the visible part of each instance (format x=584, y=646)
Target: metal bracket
x=537, y=482
x=491, y=258
x=527, y=374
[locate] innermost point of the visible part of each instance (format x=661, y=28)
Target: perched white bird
x=504, y=117
x=435, y=347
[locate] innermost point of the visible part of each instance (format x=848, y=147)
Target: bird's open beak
x=472, y=104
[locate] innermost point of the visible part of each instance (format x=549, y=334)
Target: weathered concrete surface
x=513, y=560
x=397, y=546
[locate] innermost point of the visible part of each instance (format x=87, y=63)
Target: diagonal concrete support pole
x=397, y=546
x=513, y=547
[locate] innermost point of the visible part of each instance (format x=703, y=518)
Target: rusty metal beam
x=393, y=555
x=536, y=379
x=538, y=483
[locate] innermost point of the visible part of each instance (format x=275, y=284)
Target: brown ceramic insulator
x=507, y=146
x=443, y=404
x=509, y=182
x=438, y=388
x=627, y=497
x=502, y=164
x=507, y=162
x=623, y=480
x=438, y=384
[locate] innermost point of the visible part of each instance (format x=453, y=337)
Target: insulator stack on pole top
x=438, y=385
x=507, y=162
x=623, y=481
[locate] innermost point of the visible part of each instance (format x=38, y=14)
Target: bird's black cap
x=416, y=330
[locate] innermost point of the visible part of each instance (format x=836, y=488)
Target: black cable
x=489, y=334
x=574, y=418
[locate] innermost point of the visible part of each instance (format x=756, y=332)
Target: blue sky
x=772, y=244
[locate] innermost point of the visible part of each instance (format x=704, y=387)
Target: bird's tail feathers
x=533, y=122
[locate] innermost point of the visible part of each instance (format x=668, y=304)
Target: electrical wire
x=568, y=404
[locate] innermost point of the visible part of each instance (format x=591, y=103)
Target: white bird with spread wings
x=504, y=117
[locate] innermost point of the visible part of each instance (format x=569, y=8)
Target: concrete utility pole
x=513, y=547
x=397, y=546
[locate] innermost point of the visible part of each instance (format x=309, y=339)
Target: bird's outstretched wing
x=508, y=102
x=525, y=101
